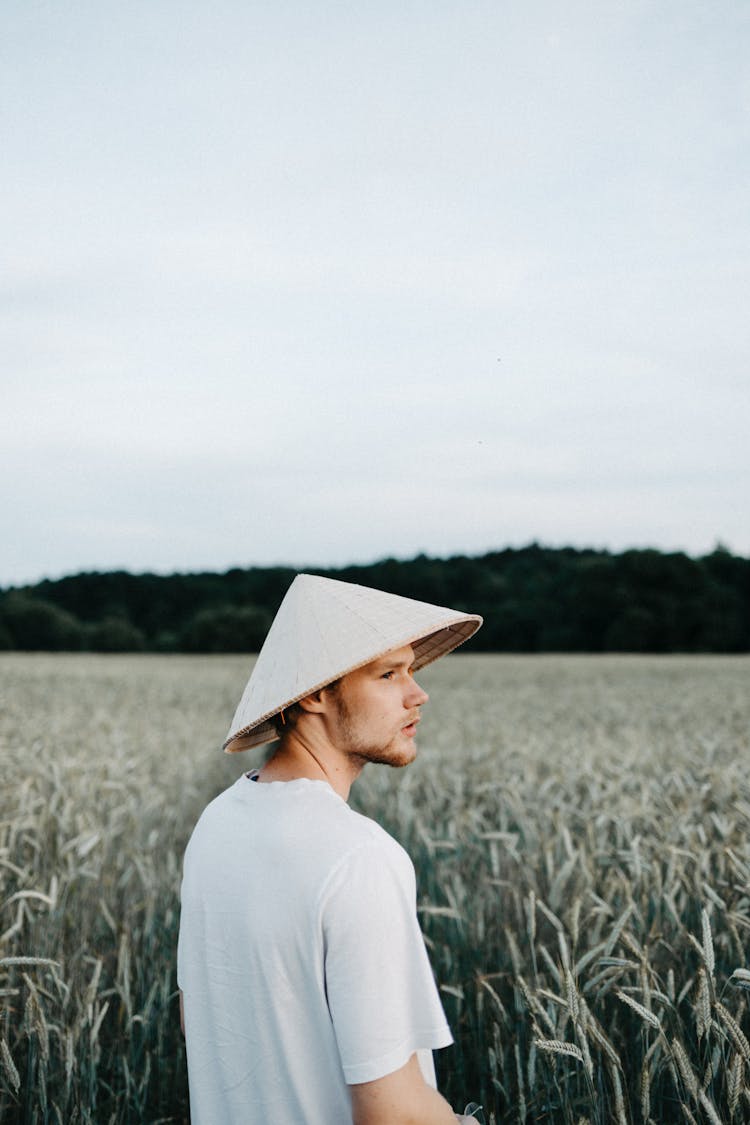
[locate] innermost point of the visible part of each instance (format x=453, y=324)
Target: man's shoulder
x=365, y=831
x=370, y=846
x=217, y=803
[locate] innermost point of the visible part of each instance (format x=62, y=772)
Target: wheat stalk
x=644, y=1013
x=740, y=978
x=621, y=1115
x=734, y=1082
x=708, y=943
x=559, y=1047
x=735, y=1031
x=645, y=1091
x=702, y=1007
x=8, y=1066
x=708, y=1105
x=685, y=1068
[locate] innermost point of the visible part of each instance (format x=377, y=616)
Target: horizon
x=718, y=547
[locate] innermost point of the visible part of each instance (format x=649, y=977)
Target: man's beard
x=363, y=749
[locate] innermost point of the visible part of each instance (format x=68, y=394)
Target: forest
x=533, y=599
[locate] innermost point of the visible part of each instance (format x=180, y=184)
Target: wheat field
x=581, y=832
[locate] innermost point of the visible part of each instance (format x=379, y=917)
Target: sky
x=320, y=283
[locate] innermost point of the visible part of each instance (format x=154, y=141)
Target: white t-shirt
x=300, y=958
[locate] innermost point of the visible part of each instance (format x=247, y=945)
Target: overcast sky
x=320, y=282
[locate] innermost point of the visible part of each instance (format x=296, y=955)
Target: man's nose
x=417, y=695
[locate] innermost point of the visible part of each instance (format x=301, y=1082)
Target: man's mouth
x=411, y=728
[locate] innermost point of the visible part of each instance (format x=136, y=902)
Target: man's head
x=370, y=714
x=326, y=631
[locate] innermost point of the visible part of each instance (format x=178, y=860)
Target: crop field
x=580, y=828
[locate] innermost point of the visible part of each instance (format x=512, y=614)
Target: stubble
x=398, y=751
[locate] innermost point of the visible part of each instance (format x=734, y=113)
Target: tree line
x=533, y=599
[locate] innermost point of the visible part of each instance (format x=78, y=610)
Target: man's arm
x=400, y=1098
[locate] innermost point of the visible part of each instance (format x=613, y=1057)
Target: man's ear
x=313, y=703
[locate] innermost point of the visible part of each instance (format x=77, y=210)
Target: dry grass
x=580, y=828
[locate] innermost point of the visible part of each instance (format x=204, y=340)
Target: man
x=308, y=995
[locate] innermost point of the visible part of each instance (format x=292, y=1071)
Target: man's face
x=375, y=710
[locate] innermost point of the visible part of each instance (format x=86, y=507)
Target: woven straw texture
x=325, y=628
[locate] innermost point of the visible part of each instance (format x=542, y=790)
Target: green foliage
x=6, y=640
x=37, y=625
x=533, y=599
x=225, y=629
x=114, y=634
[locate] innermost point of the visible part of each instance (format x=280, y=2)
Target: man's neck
x=298, y=757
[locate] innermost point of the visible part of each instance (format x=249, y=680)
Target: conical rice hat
x=323, y=630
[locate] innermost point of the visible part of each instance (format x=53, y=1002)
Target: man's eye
x=387, y=676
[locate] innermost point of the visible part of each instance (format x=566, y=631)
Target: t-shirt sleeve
x=381, y=993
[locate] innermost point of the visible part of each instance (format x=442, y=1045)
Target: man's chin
x=396, y=755
x=403, y=755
